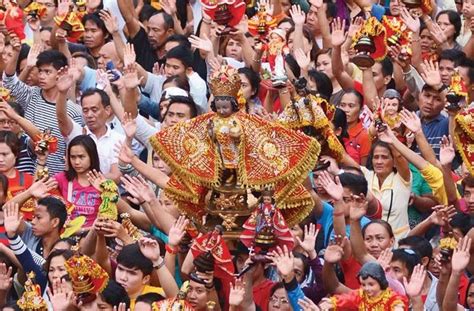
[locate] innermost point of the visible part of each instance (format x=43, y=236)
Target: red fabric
x=358, y=144
x=378, y=212
x=463, y=285
x=261, y=294
x=351, y=268
x=15, y=188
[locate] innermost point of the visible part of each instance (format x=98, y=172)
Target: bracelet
x=171, y=250
x=338, y=214
x=283, y=91
x=160, y=265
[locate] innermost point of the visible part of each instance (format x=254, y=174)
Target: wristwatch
x=158, y=266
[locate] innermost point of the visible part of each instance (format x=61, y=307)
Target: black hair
x=462, y=222
x=186, y=100
x=340, y=121
x=132, y=258
x=276, y=287
x=387, y=66
x=323, y=83
x=373, y=270
x=419, y=244
x=104, y=98
x=352, y=169
x=168, y=19
x=360, y=97
x=90, y=60
x=149, y=298
x=94, y=17
x=146, y=12
x=470, y=76
x=181, y=39
x=182, y=83
x=114, y=294
x=4, y=184
x=24, y=50
x=455, y=20
x=408, y=257
x=11, y=140
x=53, y=58
x=471, y=281
x=46, y=28
x=233, y=101
x=7, y=261
x=253, y=78
x=381, y=222
x=70, y=241
x=183, y=54
x=355, y=183
x=65, y=253
x=452, y=55
x=91, y=149
x=307, y=33
x=56, y=209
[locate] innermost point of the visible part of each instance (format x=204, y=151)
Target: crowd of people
x=121, y=123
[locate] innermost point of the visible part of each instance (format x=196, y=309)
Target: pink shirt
x=86, y=200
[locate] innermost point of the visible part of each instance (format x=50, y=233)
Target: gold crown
x=225, y=82
x=448, y=243
x=87, y=277
x=131, y=229
x=31, y=298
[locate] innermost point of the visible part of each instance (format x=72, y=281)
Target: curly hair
x=233, y=102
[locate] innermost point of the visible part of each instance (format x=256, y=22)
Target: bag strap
x=391, y=202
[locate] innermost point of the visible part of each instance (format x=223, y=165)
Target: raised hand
x=65, y=80
x=385, y=258
x=395, y=53
x=114, y=229
x=6, y=279
x=96, y=179
x=139, y=188
x=124, y=152
x=129, y=125
x=237, y=293
x=35, y=50
x=442, y=215
x=63, y=8
x=355, y=26
x=150, y=249
x=110, y=21
x=177, y=231
x=283, y=259
x=309, y=242
x=446, y=151
x=438, y=35
x=417, y=279
x=297, y=15
x=430, y=73
x=169, y=6
x=204, y=44
x=129, y=55
x=461, y=255
x=338, y=36
x=8, y=110
x=40, y=188
x=358, y=207
x=12, y=218
x=410, y=120
x=413, y=23
x=386, y=135
x=34, y=23
x=332, y=185
x=15, y=42
x=303, y=60
x=334, y=252
x=130, y=77
x=61, y=36
x=61, y=297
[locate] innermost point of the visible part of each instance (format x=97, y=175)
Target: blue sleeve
x=295, y=293
x=378, y=11
x=325, y=220
x=149, y=107
x=89, y=80
x=25, y=257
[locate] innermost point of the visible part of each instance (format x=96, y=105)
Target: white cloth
x=105, y=145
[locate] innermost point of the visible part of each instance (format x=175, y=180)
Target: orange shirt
x=18, y=184
x=358, y=145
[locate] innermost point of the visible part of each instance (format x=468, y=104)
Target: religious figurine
x=424, y=5
x=11, y=15
x=266, y=228
x=457, y=93
x=312, y=114
x=464, y=136
x=46, y=142
x=369, y=43
x=72, y=23
x=88, y=278
x=110, y=196
x=228, y=151
x=5, y=94
x=227, y=13
x=32, y=300
x=131, y=229
x=262, y=23
x=447, y=246
x=178, y=303
x=381, y=297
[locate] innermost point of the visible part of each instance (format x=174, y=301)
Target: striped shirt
x=27, y=157
x=42, y=114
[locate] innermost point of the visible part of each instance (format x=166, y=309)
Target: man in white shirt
x=96, y=108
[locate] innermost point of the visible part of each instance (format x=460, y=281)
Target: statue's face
x=224, y=108
x=267, y=199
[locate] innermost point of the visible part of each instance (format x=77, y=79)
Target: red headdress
x=224, y=12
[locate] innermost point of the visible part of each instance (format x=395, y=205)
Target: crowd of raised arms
x=241, y=155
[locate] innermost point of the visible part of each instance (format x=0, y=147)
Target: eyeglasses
x=279, y=300
x=9, y=122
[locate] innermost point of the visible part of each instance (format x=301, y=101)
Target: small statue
x=457, y=93
x=447, y=246
x=72, y=23
x=227, y=13
x=35, y=10
x=46, y=142
x=11, y=15
x=262, y=23
x=31, y=299
x=229, y=221
x=131, y=229
x=110, y=196
x=175, y=304
x=369, y=44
